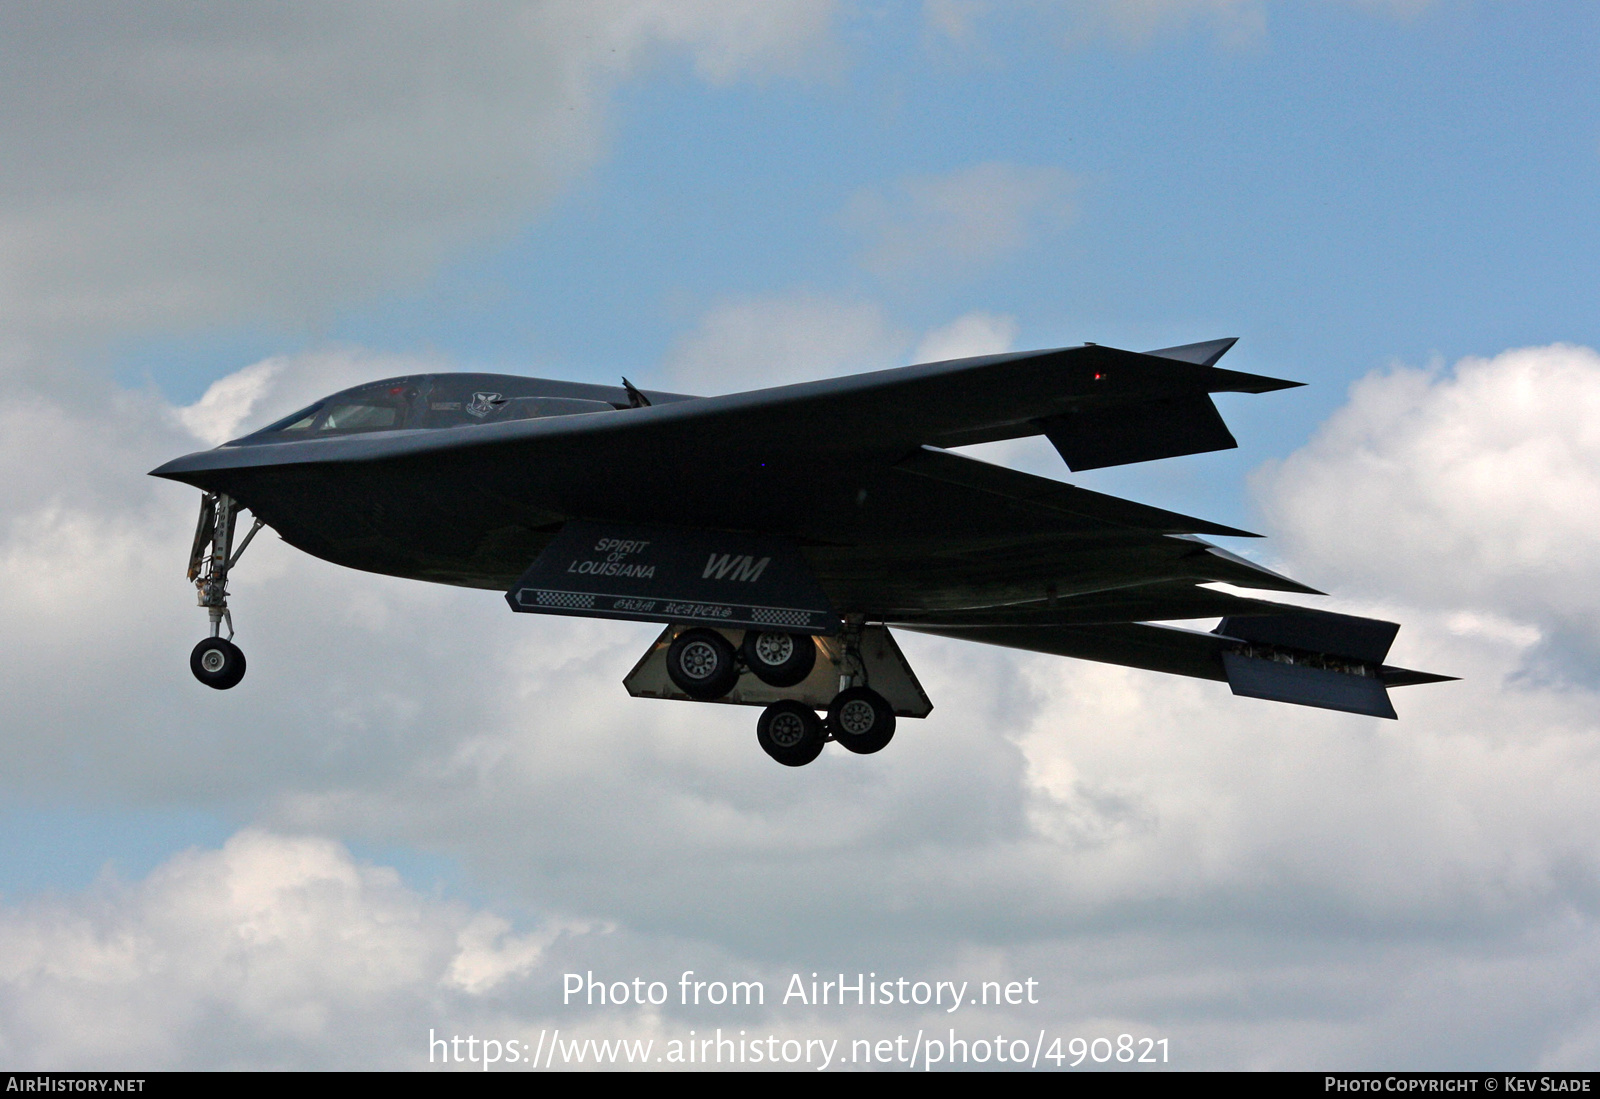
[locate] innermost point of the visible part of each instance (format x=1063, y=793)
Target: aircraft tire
x=791, y=733
x=861, y=720
x=779, y=659
x=703, y=664
x=217, y=663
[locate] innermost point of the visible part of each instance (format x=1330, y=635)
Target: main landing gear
x=860, y=719
x=705, y=665
x=217, y=661
x=791, y=733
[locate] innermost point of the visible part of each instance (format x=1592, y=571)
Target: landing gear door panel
x=883, y=666
x=669, y=574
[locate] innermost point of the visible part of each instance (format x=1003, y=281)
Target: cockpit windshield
x=439, y=401
x=369, y=409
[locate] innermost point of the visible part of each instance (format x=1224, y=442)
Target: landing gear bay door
x=669, y=574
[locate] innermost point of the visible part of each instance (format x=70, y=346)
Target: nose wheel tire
x=217, y=663
x=779, y=659
x=861, y=720
x=703, y=664
x=790, y=733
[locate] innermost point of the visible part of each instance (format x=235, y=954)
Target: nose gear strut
x=217, y=661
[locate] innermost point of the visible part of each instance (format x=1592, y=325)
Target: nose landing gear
x=216, y=661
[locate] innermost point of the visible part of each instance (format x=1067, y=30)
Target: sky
x=419, y=814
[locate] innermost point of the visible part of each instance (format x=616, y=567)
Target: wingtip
x=1405, y=677
x=1235, y=381
x=1200, y=354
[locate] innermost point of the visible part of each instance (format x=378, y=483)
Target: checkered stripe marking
x=570, y=600
x=769, y=616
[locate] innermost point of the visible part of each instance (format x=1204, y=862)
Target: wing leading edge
x=1101, y=404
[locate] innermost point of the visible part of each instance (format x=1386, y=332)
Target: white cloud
x=952, y=223
x=1478, y=494
x=169, y=166
x=256, y=395
x=228, y=401
x=969, y=335
x=1131, y=23
x=273, y=951
x=489, y=955
x=760, y=342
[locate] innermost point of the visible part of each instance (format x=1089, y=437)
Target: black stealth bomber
x=778, y=533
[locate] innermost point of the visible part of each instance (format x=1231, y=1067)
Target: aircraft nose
x=193, y=469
